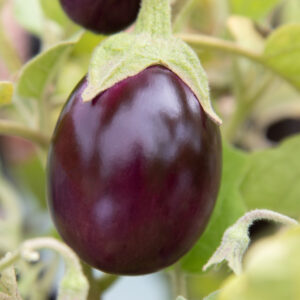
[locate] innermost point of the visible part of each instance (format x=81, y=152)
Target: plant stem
x=154, y=18
x=178, y=281
x=216, y=44
x=98, y=285
x=15, y=129
x=212, y=43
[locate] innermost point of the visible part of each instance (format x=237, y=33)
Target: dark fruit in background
x=102, y=16
x=134, y=174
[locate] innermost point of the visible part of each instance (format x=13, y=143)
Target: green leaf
x=229, y=208
x=30, y=15
x=38, y=72
x=272, y=179
x=254, y=9
x=124, y=55
x=282, y=52
x=6, y=92
x=76, y=67
x=272, y=270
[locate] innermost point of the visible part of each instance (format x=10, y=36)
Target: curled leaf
x=272, y=270
x=74, y=285
x=236, y=239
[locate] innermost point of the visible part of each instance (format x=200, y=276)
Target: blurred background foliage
x=251, y=52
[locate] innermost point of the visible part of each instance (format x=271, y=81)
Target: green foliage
x=37, y=73
x=254, y=9
x=271, y=181
x=282, y=52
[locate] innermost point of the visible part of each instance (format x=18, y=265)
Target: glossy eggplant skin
x=134, y=174
x=102, y=16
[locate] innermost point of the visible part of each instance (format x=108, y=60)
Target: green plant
x=250, y=51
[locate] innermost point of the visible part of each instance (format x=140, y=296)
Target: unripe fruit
x=102, y=16
x=134, y=174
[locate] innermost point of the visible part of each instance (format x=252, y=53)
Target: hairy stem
x=15, y=129
x=154, y=18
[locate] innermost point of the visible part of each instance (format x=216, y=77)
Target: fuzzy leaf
x=6, y=92
x=125, y=55
x=236, y=238
x=282, y=52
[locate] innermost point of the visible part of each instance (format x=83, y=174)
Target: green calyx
x=126, y=54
